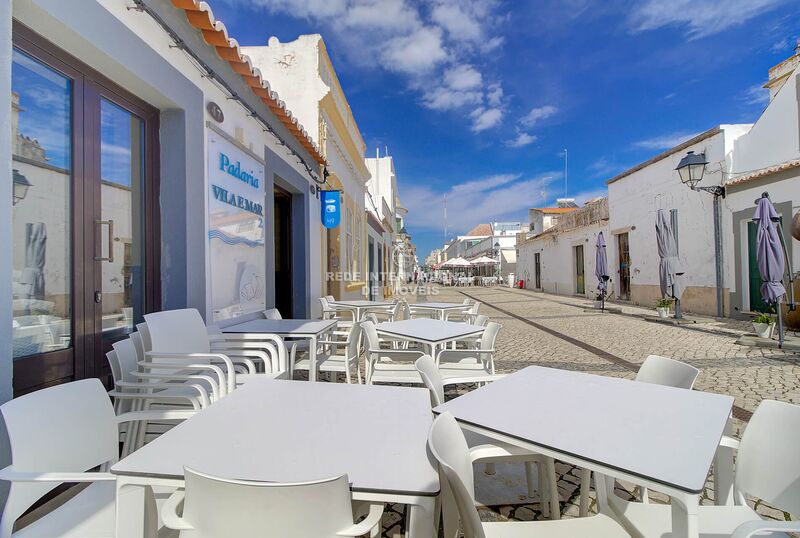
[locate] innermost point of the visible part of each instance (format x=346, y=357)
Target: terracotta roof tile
x=555, y=210
x=788, y=165
x=481, y=229
x=215, y=34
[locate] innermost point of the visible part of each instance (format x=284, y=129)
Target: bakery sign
x=236, y=235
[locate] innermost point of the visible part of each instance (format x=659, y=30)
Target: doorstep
x=790, y=343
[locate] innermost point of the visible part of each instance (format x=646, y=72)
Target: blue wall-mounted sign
x=330, y=207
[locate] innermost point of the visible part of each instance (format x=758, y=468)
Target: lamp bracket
x=716, y=190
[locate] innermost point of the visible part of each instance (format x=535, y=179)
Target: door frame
x=627, y=271
x=579, y=270
x=85, y=358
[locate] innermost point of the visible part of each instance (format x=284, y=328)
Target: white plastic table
x=660, y=437
x=441, y=308
x=359, y=308
x=292, y=431
x=431, y=333
x=310, y=329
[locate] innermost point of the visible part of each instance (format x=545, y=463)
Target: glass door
x=118, y=228
x=45, y=176
x=85, y=219
x=624, y=267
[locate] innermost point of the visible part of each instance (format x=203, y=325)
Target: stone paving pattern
x=564, y=336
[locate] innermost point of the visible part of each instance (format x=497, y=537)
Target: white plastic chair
x=388, y=365
x=471, y=365
x=272, y=313
x=341, y=356
x=215, y=507
x=767, y=468
x=490, y=451
x=467, y=315
x=669, y=372
x=56, y=435
x=447, y=444
x=331, y=311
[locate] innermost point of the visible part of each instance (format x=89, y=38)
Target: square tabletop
x=441, y=306
x=294, y=327
x=431, y=331
x=362, y=304
x=293, y=431
x=664, y=434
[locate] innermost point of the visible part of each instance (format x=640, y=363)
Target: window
x=348, y=244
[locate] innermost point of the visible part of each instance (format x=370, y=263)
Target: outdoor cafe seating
x=140, y=473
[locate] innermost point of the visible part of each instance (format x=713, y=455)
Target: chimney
x=780, y=73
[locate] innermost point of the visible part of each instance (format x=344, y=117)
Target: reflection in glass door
x=580, y=285
x=118, y=229
x=41, y=103
x=85, y=219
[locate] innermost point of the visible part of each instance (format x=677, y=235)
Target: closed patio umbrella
x=670, y=269
x=35, y=248
x=601, y=268
x=770, y=257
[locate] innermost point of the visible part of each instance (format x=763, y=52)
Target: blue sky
x=476, y=99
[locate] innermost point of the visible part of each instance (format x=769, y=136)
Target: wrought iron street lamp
x=21, y=186
x=691, y=170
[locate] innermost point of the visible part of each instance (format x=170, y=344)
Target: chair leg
x=544, y=488
x=555, y=504
x=530, y=470
x=586, y=479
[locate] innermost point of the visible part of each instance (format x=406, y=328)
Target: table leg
x=312, y=359
x=420, y=518
x=684, y=516
x=723, y=472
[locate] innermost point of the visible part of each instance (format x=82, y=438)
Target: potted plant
x=662, y=307
x=763, y=324
x=598, y=299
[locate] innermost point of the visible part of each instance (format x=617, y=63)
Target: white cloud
x=522, y=139
x=475, y=201
x=439, y=47
x=485, y=118
x=666, y=141
x=605, y=167
x=696, y=18
x=537, y=114
x=756, y=95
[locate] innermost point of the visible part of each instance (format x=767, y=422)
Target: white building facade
x=302, y=73
x=152, y=169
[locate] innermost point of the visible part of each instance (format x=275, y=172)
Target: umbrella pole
x=780, y=323
x=678, y=313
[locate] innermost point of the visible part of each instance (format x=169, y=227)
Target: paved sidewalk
x=554, y=331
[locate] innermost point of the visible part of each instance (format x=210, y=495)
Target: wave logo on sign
x=331, y=213
x=236, y=171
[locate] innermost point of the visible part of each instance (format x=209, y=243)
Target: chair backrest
x=466, y=301
x=272, y=313
x=323, y=302
x=481, y=320
x=113, y=363
x=447, y=444
x=432, y=378
x=217, y=507
x=490, y=335
x=370, y=335
x=354, y=342
x=127, y=359
x=138, y=343
x=371, y=316
x=65, y=428
x=147, y=343
x=474, y=308
x=768, y=462
x=178, y=331
x=669, y=372
x=330, y=298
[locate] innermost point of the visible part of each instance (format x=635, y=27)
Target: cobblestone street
x=554, y=331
